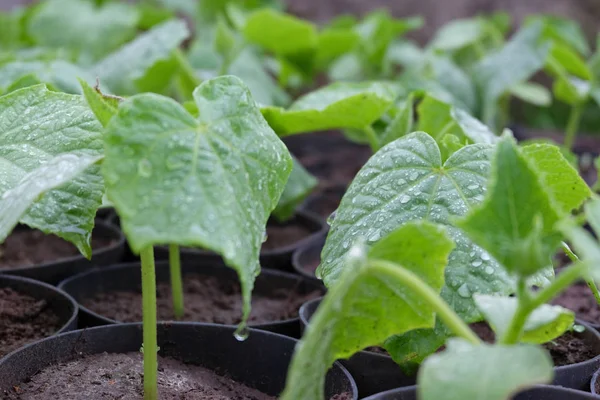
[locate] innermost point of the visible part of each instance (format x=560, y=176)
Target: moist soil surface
x=207, y=299
x=565, y=350
x=23, y=319
x=24, y=248
x=580, y=299
x=283, y=235
x=119, y=376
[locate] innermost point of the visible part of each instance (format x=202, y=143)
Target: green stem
x=176, y=281
x=515, y=329
x=149, y=324
x=573, y=125
x=372, y=138
x=590, y=282
x=442, y=309
x=187, y=69
x=447, y=128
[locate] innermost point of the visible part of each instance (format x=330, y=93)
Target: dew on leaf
x=404, y=199
x=463, y=291
x=477, y=263
x=145, y=168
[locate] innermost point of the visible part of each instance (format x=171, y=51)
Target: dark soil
x=283, y=235
x=23, y=319
x=580, y=299
x=119, y=376
x=27, y=247
x=207, y=299
x=565, y=350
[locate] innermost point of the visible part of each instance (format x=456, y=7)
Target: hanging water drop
x=145, y=168
x=241, y=333
x=265, y=236
x=331, y=218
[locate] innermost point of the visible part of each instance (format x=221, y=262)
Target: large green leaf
x=50, y=175
x=339, y=105
x=144, y=64
x=516, y=62
x=299, y=185
x=210, y=181
x=520, y=209
x=82, y=26
x=356, y=312
x=280, y=33
x=491, y=372
x=37, y=125
x=407, y=181
x=544, y=324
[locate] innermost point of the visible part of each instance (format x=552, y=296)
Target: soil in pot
x=207, y=299
x=24, y=319
x=27, y=247
x=580, y=299
x=567, y=349
x=283, y=235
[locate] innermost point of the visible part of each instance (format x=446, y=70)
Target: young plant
x=397, y=286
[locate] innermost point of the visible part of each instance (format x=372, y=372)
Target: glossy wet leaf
x=144, y=64
x=37, y=125
x=339, y=105
x=560, y=179
x=516, y=62
x=215, y=178
x=407, y=181
x=82, y=26
x=519, y=206
x=50, y=175
x=356, y=312
x=544, y=324
x=103, y=107
x=466, y=371
x=280, y=33
x=401, y=124
x=299, y=185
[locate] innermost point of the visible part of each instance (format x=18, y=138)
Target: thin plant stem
x=176, y=281
x=515, y=329
x=150, y=346
x=590, y=282
x=573, y=125
x=372, y=138
x=442, y=309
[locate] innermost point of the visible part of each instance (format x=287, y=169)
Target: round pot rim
x=119, y=241
x=55, y=289
x=165, y=263
x=208, y=325
x=299, y=252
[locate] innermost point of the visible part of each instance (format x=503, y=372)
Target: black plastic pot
x=55, y=271
x=280, y=258
x=325, y=201
x=577, y=376
x=260, y=362
x=373, y=372
x=63, y=305
x=105, y=213
x=540, y=392
x=307, y=255
x=127, y=277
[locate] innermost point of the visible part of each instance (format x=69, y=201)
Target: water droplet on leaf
x=404, y=199
x=145, y=168
x=331, y=218
x=463, y=291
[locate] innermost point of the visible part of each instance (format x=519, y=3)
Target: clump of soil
x=27, y=247
x=565, y=350
x=120, y=376
x=579, y=298
x=207, y=299
x=282, y=235
x=23, y=319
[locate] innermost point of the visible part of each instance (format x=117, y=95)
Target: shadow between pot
x=56, y=271
x=61, y=304
x=307, y=258
x=127, y=277
x=539, y=392
x=373, y=372
x=260, y=362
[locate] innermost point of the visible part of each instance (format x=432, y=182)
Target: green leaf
x=521, y=211
x=10, y=29
x=407, y=181
x=144, y=64
x=544, y=324
x=26, y=81
x=216, y=178
x=560, y=179
x=457, y=34
x=103, y=107
x=516, y=62
x=224, y=38
x=280, y=33
x=401, y=125
x=562, y=30
x=586, y=245
x=59, y=74
x=571, y=90
x=532, y=93
x=572, y=62
x=332, y=44
x=336, y=106
x=299, y=185
x=466, y=371
x=37, y=125
x=50, y=175
x=356, y=312
x=82, y=26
